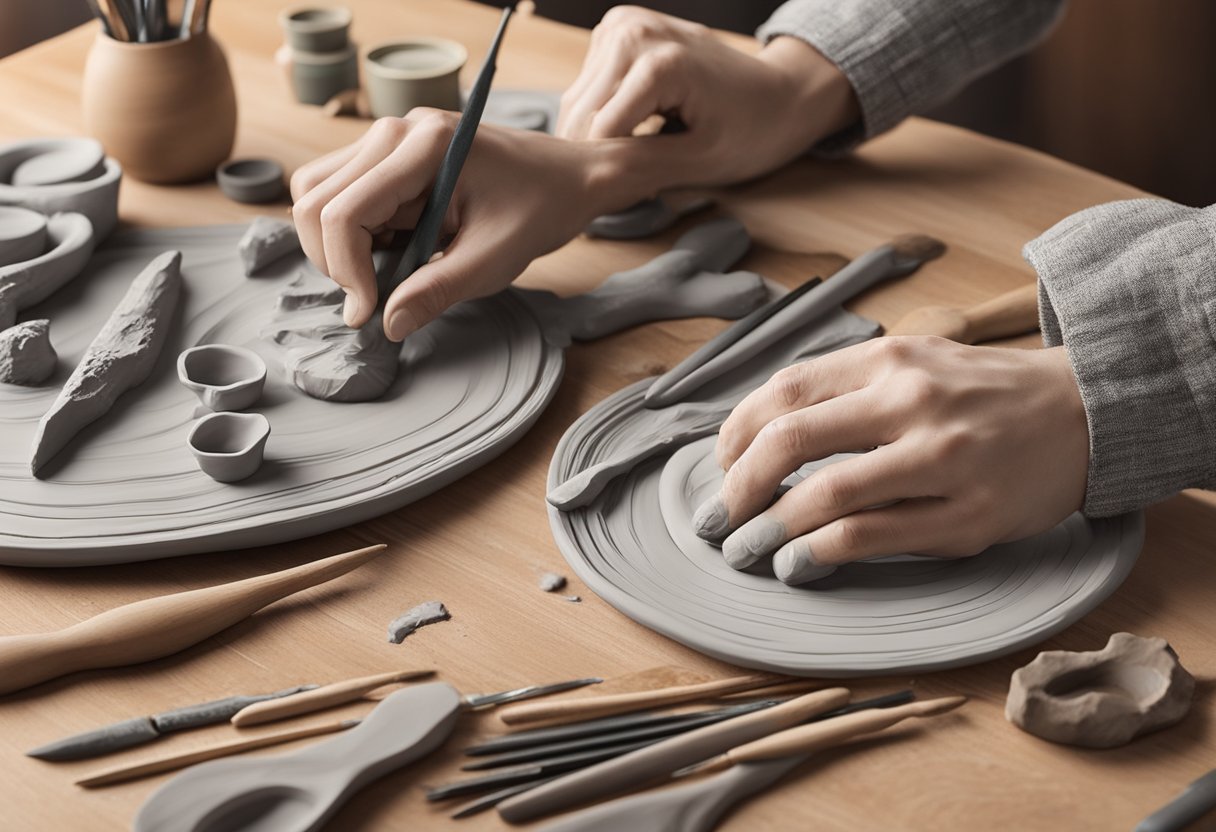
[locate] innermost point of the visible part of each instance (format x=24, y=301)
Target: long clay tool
x=662, y=758
x=300, y=791
x=1004, y=316
x=144, y=729
x=320, y=698
x=899, y=257
x=1195, y=801
x=120, y=357
x=157, y=627
x=124, y=774
x=621, y=703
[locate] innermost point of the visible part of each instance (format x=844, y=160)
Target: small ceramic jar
x=229, y=446
x=222, y=376
x=416, y=72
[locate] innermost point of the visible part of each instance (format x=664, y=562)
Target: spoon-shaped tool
x=299, y=791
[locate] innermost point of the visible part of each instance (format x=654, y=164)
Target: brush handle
x=201, y=755
x=156, y=627
x=817, y=736
x=319, y=698
x=1013, y=313
x=619, y=703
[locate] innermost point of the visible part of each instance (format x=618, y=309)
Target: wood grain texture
x=479, y=544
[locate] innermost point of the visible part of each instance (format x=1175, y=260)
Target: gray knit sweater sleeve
x=904, y=56
x=1129, y=288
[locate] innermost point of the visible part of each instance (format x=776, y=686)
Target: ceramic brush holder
x=165, y=110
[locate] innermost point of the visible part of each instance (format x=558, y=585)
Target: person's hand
x=520, y=195
x=745, y=115
x=971, y=446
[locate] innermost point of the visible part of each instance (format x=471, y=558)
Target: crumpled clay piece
x=1103, y=698
x=26, y=354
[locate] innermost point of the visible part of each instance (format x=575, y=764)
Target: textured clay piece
x=229, y=446
x=647, y=218
x=71, y=160
x=1103, y=698
x=299, y=791
x=121, y=357
x=430, y=612
x=95, y=196
x=26, y=354
x=267, y=240
x=222, y=376
x=22, y=234
x=70, y=243
x=157, y=627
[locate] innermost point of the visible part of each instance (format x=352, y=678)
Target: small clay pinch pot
x=222, y=376
x=229, y=446
x=251, y=180
x=1103, y=698
x=316, y=28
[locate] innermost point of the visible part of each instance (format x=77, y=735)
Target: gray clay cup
x=229, y=446
x=251, y=180
x=223, y=377
x=22, y=234
x=317, y=77
x=316, y=28
x=415, y=72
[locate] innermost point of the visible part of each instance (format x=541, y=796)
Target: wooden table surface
x=480, y=544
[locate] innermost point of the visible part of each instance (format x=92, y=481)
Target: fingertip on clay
x=753, y=540
x=711, y=521
x=794, y=564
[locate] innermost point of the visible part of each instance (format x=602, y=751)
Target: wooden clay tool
x=900, y=257
x=621, y=703
x=1013, y=313
x=157, y=627
x=320, y=698
x=662, y=758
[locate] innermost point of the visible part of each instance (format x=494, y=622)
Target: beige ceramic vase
x=165, y=110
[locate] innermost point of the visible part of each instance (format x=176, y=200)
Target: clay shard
x=26, y=354
x=267, y=240
x=70, y=244
x=551, y=582
x=120, y=357
x=1102, y=698
x=429, y=612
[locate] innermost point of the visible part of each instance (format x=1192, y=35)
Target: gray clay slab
x=908, y=615
x=127, y=488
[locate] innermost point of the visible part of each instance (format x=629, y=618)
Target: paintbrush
x=816, y=736
x=900, y=257
x=426, y=233
x=157, y=627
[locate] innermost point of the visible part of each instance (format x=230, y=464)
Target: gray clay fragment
x=648, y=217
x=551, y=582
x=69, y=245
x=120, y=357
x=420, y=616
x=1102, y=698
x=120, y=735
x=266, y=240
x=26, y=354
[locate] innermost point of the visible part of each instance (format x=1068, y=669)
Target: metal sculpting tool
x=426, y=233
x=719, y=343
x=900, y=257
x=144, y=729
x=1196, y=800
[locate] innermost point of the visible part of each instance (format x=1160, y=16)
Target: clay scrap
x=265, y=241
x=120, y=357
x=70, y=242
x=555, y=583
x=26, y=354
x=430, y=612
x=1102, y=698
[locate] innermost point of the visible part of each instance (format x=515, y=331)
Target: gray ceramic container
x=317, y=77
x=414, y=72
x=316, y=28
x=229, y=446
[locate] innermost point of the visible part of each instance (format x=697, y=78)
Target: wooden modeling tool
x=806, y=739
x=621, y=703
x=157, y=627
x=662, y=758
x=326, y=696
x=900, y=257
x=1013, y=313
x=430, y=222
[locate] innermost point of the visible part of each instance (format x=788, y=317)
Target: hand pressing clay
x=120, y=357
x=266, y=241
x=1104, y=698
x=70, y=241
x=26, y=354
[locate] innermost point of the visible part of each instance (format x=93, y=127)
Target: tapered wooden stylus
x=620, y=703
x=831, y=732
x=156, y=627
x=1013, y=313
x=325, y=696
x=214, y=752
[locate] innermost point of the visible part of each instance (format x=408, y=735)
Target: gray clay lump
x=430, y=612
x=26, y=354
x=266, y=240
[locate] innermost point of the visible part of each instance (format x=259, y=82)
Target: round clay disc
x=66, y=160
x=251, y=180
